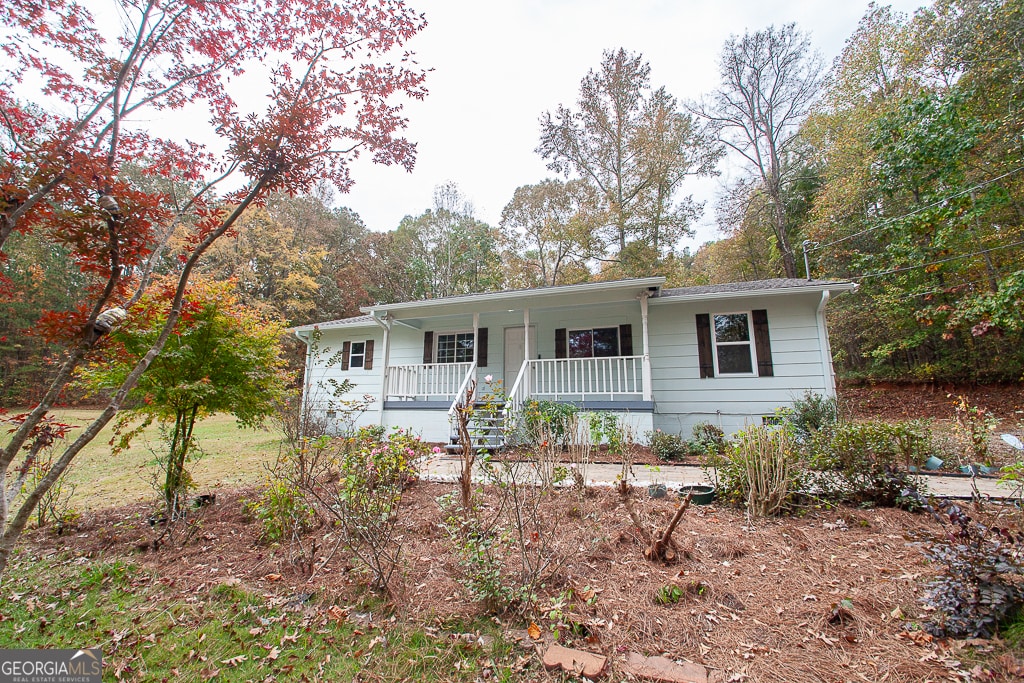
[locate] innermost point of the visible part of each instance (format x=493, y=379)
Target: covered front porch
x=586, y=349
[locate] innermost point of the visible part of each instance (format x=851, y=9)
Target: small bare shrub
x=758, y=470
x=508, y=550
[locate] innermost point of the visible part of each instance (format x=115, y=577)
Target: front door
x=515, y=352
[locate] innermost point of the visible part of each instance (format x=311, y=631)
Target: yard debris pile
x=827, y=596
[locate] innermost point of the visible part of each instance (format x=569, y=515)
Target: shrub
x=758, y=470
x=282, y=511
x=539, y=420
x=812, y=413
x=478, y=547
x=367, y=498
x=981, y=584
x=707, y=438
x=667, y=446
x=358, y=483
x=867, y=462
x=975, y=425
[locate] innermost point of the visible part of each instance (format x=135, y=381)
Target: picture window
x=599, y=342
x=455, y=347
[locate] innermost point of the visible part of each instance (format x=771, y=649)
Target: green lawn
x=232, y=456
x=149, y=629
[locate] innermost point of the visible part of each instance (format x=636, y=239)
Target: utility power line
x=889, y=221
x=934, y=263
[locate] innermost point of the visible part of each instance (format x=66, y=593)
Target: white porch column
x=647, y=347
x=526, y=350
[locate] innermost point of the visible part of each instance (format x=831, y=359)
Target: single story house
x=661, y=358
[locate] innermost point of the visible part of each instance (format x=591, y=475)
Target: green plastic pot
x=703, y=494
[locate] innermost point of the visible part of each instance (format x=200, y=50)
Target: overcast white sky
x=498, y=66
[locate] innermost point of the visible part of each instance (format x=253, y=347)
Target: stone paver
x=447, y=468
x=575, y=661
x=664, y=670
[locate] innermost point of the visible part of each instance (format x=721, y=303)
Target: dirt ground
x=919, y=401
x=758, y=600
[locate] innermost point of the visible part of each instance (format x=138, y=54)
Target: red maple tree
x=73, y=99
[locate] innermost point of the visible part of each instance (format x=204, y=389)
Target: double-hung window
x=454, y=347
x=357, y=355
x=734, y=346
x=598, y=342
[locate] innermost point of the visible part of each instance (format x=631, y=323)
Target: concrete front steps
x=486, y=426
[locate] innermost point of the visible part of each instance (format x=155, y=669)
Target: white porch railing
x=580, y=379
x=427, y=381
x=460, y=393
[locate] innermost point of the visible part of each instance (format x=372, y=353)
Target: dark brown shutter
x=368, y=360
x=763, y=344
x=346, y=349
x=481, y=351
x=625, y=340
x=560, y=345
x=428, y=347
x=707, y=364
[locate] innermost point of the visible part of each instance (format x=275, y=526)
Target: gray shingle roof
x=751, y=286
x=343, y=322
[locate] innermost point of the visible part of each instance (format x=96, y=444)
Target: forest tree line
x=899, y=167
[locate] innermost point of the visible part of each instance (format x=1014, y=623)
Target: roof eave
x=828, y=286
x=511, y=295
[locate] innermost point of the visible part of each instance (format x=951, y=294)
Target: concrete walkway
x=446, y=468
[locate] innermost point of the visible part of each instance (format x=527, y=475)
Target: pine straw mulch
x=758, y=601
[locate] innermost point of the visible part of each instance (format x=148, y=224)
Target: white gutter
x=541, y=292
x=738, y=294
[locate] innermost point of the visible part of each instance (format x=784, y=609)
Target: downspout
x=305, y=385
x=825, y=347
x=386, y=326
x=646, y=371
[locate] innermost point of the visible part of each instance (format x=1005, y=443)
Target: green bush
x=707, y=438
x=812, y=413
x=867, y=462
x=282, y=511
x=539, y=420
x=365, y=501
x=665, y=446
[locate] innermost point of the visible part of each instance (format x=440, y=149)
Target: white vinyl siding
x=732, y=401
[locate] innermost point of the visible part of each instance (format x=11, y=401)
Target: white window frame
x=749, y=343
x=568, y=343
x=455, y=356
x=352, y=355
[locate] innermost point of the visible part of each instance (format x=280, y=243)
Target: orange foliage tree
x=73, y=92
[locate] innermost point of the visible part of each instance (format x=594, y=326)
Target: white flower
x=488, y=378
